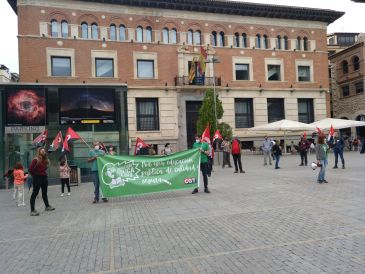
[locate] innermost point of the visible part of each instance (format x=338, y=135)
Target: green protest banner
x=129, y=175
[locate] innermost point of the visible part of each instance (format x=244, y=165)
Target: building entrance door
x=192, y=116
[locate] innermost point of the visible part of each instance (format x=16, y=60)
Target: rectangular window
x=359, y=87
x=145, y=69
x=147, y=114
x=242, y=71
x=244, y=113
x=305, y=111
x=273, y=73
x=275, y=109
x=60, y=66
x=345, y=91
x=304, y=74
x=104, y=67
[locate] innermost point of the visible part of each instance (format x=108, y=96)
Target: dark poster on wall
x=25, y=106
x=87, y=106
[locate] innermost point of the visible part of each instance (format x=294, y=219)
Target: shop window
x=60, y=66
x=346, y=91
x=242, y=71
x=145, y=69
x=122, y=33
x=84, y=30
x=147, y=114
x=104, y=67
x=113, y=32
x=273, y=73
x=64, y=29
x=305, y=111
x=94, y=31
x=243, y=113
x=54, y=28
x=275, y=109
x=304, y=74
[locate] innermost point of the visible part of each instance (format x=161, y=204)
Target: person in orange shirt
x=19, y=180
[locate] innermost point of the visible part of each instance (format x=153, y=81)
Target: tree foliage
x=206, y=113
x=225, y=130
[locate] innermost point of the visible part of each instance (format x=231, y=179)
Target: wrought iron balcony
x=198, y=81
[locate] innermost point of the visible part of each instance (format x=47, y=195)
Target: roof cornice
x=229, y=8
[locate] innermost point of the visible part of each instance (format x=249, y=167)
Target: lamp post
x=214, y=60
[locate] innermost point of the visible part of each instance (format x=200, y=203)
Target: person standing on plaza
x=204, y=152
x=236, y=153
x=322, y=158
x=276, y=149
x=166, y=150
x=266, y=149
x=65, y=177
x=111, y=151
x=93, y=156
x=226, y=145
x=303, y=146
x=19, y=180
x=210, y=160
x=338, y=145
x=38, y=170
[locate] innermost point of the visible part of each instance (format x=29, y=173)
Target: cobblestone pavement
x=264, y=221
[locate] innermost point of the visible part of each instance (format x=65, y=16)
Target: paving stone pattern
x=264, y=221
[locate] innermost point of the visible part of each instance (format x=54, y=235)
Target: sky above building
x=350, y=22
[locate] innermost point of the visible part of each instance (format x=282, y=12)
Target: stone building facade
x=347, y=84
x=273, y=59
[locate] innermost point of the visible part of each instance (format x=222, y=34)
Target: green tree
x=225, y=130
x=206, y=113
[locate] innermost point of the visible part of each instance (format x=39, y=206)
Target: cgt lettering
x=189, y=181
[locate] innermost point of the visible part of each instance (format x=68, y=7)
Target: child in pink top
x=65, y=177
x=19, y=180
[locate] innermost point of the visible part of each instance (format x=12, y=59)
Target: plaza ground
x=264, y=221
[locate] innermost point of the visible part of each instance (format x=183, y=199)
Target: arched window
x=356, y=63
x=113, y=32
x=84, y=30
x=54, y=28
x=222, y=41
x=173, y=38
x=278, y=42
x=197, y=37
x=305, y=43
x=299, y=43
x=64, y=29
x=244, y=40
x=345, y=67
x=94, y=31
x=190, y=37
x=149, y=35
x=286, y=44
x=122, y=34
x=258, y=41
x=165, y=35
x=266, y=42
x=237, y=40
x=139, y=34
x=214, y=39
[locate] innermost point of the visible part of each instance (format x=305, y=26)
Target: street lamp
x=214, y=60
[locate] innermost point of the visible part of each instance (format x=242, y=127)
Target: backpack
x=236, y=147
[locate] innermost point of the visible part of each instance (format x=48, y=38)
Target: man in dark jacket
x=338, y=144
x=303, y=146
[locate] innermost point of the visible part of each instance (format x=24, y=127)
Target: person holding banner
x=38, y=170
x=93, y=155
x=204, y=152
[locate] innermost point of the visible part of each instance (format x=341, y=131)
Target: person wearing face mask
x=93, y=155
x=38, y=170
x=204, y=152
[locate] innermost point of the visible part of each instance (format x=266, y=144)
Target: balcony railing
x=198, y=81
